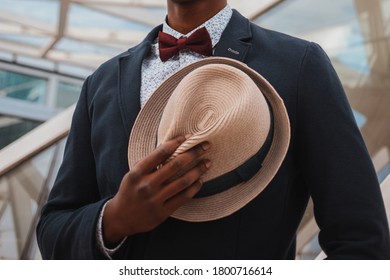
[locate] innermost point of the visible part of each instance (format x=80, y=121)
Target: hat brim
x=143, y=141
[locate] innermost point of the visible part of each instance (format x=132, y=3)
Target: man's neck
x=185, y=15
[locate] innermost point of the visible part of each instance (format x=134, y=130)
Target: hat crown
x=222, y=105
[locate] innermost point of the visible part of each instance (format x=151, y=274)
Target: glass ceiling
x=86, y=32
x=354, y=33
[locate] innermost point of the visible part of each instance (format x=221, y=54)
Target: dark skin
x=185, y=15
x=147, y=196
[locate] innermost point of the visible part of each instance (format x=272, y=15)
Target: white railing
x=27, y=170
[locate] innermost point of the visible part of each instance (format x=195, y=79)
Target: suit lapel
x=129, y=82
x=234, y=40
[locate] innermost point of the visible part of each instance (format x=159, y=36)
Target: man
x=100, y=209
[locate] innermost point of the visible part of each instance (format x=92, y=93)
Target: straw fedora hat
x=228, y=104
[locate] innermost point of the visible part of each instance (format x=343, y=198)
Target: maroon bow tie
x=199, y=42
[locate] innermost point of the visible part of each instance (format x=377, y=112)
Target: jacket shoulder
x=271, y=40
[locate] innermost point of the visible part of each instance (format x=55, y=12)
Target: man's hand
x=147, y=195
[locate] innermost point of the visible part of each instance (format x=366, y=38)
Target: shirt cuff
x=108, y=252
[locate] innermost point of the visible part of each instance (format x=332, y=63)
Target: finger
x=181, y=198
x=181, y=162
x=159, y=155
x=183, y=182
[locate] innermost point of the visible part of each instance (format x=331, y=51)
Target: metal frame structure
x=146, y=13
x=25, y=180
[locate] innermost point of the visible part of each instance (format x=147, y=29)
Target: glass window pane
x=13, y=128
x=67, y=94
x=23, y=87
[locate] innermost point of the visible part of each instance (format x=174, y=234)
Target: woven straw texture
x=222, y=101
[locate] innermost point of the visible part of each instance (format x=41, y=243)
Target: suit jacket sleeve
x=336, y=166
x=67, y=227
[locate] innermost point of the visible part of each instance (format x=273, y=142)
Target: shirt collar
x=215, y=26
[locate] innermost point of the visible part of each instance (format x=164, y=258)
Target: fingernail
x=206, y=146
x=207, y=163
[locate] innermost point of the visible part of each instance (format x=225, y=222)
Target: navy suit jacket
x=327, y=160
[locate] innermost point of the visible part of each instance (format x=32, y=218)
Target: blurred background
x=48, y=47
